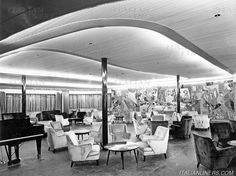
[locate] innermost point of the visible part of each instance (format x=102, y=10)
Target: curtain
x=34, y=102
x=77, y=101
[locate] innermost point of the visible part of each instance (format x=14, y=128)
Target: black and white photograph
x=117, y=87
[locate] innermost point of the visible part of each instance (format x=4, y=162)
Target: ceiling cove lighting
x=86, y=92
x=170, y=82
x=59, y=75
x=19, y=91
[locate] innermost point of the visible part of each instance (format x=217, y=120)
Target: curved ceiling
x=136, y=42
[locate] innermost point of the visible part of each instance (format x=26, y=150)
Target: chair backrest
x=56, y=125
x=71, y=138
x=221, y=129
x=59, y=118
x=233, y=124
x=158, y=117
x=161, y=132
x=186, y=126
x=155, y=124
x=81, y=115
x=118, y=128
x=205, y=150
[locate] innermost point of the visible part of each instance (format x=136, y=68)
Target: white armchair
x=83, y=150
x=56, y=137
x=154, y=144
x=88, y=119
x=60, y=118
x=201, y=121
x=119, y=132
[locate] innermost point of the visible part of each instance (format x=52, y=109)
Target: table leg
x=122, y=159
x=108, y=156
x=135, y=156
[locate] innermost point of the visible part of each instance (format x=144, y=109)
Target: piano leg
x=38, y=143
x=17, y=160
x=8, y=151
x=9, y=154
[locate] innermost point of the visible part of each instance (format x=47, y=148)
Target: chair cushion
x=56, y=126
x=145, y=137
x=161, y=132
x=144, y=147
x=95, y=150
x=72, y=137
x=154, y=146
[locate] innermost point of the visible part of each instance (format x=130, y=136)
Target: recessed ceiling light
x=217, y=15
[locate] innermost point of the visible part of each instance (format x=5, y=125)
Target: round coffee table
x=81, y=132
x=121, y=147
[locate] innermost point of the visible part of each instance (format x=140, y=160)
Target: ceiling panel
x=133, y=49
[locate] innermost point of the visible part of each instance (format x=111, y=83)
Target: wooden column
x=104, y=102
x=23, y=99
x=178, y=95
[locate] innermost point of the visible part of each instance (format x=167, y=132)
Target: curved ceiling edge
x=98, y=23
x=76, y=55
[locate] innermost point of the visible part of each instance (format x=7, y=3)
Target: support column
x=23, y=99
x=104, y=102
x=178, y=95
x=65, y=101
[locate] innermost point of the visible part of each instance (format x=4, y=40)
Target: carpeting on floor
x=181, y=160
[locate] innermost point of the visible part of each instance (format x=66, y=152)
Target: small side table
x=81, y=133
x=121, y=147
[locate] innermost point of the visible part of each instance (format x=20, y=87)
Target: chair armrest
x=174, y=125
x=79, y=152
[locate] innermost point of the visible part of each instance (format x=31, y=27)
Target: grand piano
x=16, y=128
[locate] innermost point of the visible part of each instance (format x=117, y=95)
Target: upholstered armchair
x=83, y=150
x=233, y=124
x=96, y=132
x=221, y=131
x=201, y=121
x=182, y=129
x=56, y=137
x=211, y=156
x=65, y=122
x=118, y=132
x=155, y=124
x=154, y=144
x=88, y=119
x=139, y=127
x=158, y=117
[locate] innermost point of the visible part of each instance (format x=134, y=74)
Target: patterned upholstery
x=223, y=131
x=201, y=121
x=154, y=144
x=84, y=151
x=210, y=156
x=183, y=128
x=119, y=132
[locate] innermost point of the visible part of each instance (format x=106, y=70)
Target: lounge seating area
x=118, y=87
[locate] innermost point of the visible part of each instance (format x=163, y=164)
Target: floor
x=180, y=160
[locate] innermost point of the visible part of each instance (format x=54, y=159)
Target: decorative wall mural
x=216, y=100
